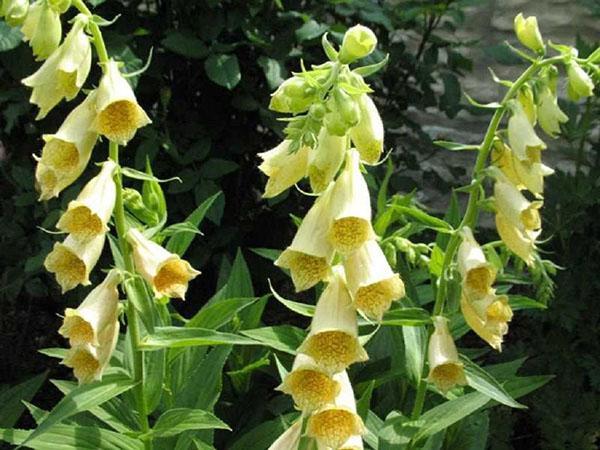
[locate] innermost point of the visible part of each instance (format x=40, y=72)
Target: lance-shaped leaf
x=171, y=337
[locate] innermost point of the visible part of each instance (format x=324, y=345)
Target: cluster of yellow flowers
x=111, y=110
x=336, y=244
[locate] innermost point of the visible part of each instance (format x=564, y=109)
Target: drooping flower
x=549, y=113
x=528, y=33
x=63, y=74
x=310, y=253
x=333, y=338
x=521, y=135
x=371, y=281
x=283, y=168
x=334, y=425
x=477, y=274
x=325, y=160
x=520, y=241
x=72, y=260
x=99, y=310
x=42, y=28
x=67, y=152
x=118, y=113
x=351, y=208
x=359, y=41
x=580, y=83
x=445, y=368
x=488, y=317
x=289, y=439
x=309, y=385
x=14, y=11
x=527, y=101
x=88, y=216
x=367, y=136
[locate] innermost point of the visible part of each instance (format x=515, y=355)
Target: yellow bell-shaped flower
x=528, y=33
x=72, y=260
x=520, y=241
x=325, y=159
x=67, y=152
x=477, y=274
x=118, y=113
x=351, y=208
x=371, y=281
x=550, y=115
x=333, y=338
x=309, y=385
x=88, y=216
x=359, y=41
x=289, y=439
x=335, y=424
x=580, y=83
x=166, y=272
x=42, y=28
x=64, y=72
x=98, y=311
x=310, y=253
x=367, y=135
x=488, y=317
x=521, y=135
x=283, y=168
x=445, y=368
x=513, y=205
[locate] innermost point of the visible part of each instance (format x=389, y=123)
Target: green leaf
x=403, y=317
x=219, y=313
x=518, y=302
x=11, y=406
x=178, y=420
x=492, y=105
x=9, y=37
x=83, y=398
x=223, y=70
x=310, y=30
x=269, y=253
x=185, y=44
x=138, y=175
x=172, y=337
x=424, y=218
x=414, y=348
x=273, y=70
x=328, y=48
x=263, y=435
x=520, y=386
x=285, y=338
x=485, y=383
x=371, y=69
x=363, y=404
x=297, y=307
x=214, y=168
x=239, y=282
x=455, y=146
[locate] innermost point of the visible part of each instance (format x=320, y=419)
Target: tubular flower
x=42, y=28
x=580, y=84
x=528, y=33
x=367, y=136
x=445, y=368
x=333, y=338
x=67, y=152
x=166, y=272
x=89, y=361
x=359, y=41
x=310, y=386
x=371, y=281
x=549, y=114
x=310, y=253
x=351, y=208
x=477, y=274
x=14, y=11
x=64, y=72
x=488, y=317
x=72, y=261
x=335, y=424
x=525, y=98
x=513, y=205
x=521, y=135
x=325, y=160
x=283, y=168
x=119, y=115
x=88, y=216
x=290, y=438
x=98, y=311
x=521, y=242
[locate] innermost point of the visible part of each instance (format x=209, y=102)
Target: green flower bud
x=294, y=95
x=42, y=28
x=359, y=41
x=60, y=6
x=528, y=33
x=134, y=203
x=343, y=112
x=580, y=84
x=14, y=11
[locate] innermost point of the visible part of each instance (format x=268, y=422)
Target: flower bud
x=359, y=41
x=118, y=113
x=528, y=33
x=521, y=135
x=42, y=28
x=343, y=112
x=14, y=11
x=371, y=281
x=488, y=317
x=445, y=368
x=283, y=168
x=88, y=216
x=477, y=274
x=294, y=95
x=63, y=74
x=134, y=203
x=333, y=338
x=367, y=135
x=550, y=115
x=165, y=272
x=310, y=253
x=325, y=160
x=580, y=84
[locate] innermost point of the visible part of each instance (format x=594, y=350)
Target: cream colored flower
x=445, y=369
x=325, y=160
x=42, y=28
x=333, y=338
x=88, y=361
x=520, y=241
x=309, y=385
x=118, y=113
x=367, y=136
x=310, y=253
x=488, y=317
x=351, y=208
x=334, y=425
x=371, y=281
x=477, y=274
x=64, y=72
x=528, y=33
x=99, y=310
x=549, y=113
x=67, y=152
x=580, y=84
x=290, y=439
x=283, y=168
x=166, y=272
x=527, y=101
x=72, y=260
x=88, y=216
x=521, y=135
x=513, y=205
